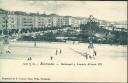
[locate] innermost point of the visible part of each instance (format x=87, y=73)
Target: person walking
x=94, y=53
x=34, y=43
x=51, y=57
x=60, y=51
x=56, y=51
x=29, y=58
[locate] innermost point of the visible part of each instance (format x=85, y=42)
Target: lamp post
x=34, y=40
x=91, y=51
x=91, y=32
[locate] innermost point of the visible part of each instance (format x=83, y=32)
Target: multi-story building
x=67, y=20
x=55, y=21
x=3, y=21
x=48, y=21
x=83, y=20
x=20, y=20
x=28, y=21
x=12, y=21
x=60, y=21
x=75, y=22
x=40, y=21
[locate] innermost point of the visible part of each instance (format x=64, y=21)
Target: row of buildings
x=18, y=20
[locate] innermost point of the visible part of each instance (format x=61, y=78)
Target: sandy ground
x=110, y=64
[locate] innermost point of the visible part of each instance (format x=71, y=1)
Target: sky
x=105, y=10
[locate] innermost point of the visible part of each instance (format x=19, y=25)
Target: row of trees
x=29, y=30
x=107, y=36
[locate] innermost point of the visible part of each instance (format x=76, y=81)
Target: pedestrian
x=29, y=58
x=90, y=56
x=51, y=57
x=56, y=51
x=94, y=53
x=34, y=43
x=86, y=55
x=60, y=51
x=73, y=42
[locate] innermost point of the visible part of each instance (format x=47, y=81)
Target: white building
x=36, y=20
x=3, y=21
x=12, y=21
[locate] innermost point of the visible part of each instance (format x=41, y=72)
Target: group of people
x=58, y=51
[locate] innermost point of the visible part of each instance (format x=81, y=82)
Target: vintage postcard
x=63, y=41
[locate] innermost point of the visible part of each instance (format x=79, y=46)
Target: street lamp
x=34, y=40
x=91, y=51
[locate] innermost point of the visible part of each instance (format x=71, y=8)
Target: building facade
x=12, y=20
x=3, y=21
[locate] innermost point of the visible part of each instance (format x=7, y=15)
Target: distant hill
x=2, y=11
x=120, y=22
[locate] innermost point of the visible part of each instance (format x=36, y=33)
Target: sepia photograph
x=63, y=41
